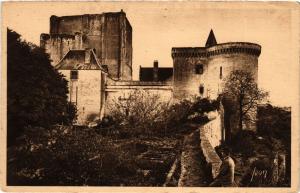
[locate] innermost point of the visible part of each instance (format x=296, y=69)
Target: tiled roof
x=164, y=74
x=75, y=60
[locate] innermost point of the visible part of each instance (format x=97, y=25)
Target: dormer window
x=199, y=69
x=74, y=74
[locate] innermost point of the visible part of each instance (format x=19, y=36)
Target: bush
x=244, y=142
x=143, y=113
x=275, y=122
x=204, y=105
x=68, y=156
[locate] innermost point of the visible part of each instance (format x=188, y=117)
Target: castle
x=94, y=52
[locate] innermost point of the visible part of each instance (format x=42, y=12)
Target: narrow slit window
x=74, y=74
x=221, y=72
x=201, y=89
x=199, y=69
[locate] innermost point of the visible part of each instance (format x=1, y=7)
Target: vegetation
x=275, y=123
x=37, y=93
x=144, y=113
x=241, y=88
x=259, y=149
x=113, y=153
x=68, y=156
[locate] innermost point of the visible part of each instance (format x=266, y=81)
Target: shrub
x=244, y=142
x=68, y=156
x=204, y=105
x=140, y=113
x=274, y=122
x=143, y=113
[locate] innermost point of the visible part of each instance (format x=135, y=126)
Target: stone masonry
x=109, y=34
x=81, y=45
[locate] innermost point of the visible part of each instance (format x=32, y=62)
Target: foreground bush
x=68, y=156
x=275, y=122
x=36, y=92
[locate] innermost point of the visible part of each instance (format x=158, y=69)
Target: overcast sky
x=157, y=27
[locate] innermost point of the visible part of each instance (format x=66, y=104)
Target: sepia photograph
x=150, y=95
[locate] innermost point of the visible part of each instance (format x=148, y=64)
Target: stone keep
x=109, y=34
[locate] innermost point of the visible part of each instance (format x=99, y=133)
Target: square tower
x=109, y=34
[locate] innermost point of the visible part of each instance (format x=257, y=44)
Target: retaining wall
x=211, y=136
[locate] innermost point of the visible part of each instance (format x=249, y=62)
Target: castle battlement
x=45, y=36
x=234, y=47
x=223, y=48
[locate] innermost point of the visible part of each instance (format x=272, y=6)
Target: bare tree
x=140, y=110
x=242, y=89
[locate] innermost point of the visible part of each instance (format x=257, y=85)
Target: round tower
x=224, y=58
x=201, y=71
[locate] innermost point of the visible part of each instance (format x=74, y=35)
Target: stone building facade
x=109, y=34
x=94, y=52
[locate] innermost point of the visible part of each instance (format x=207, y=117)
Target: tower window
x=201, y=89
x=199, y=69
x=74, y=74
x=221, y=72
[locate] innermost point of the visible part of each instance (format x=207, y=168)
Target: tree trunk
x=241, y=113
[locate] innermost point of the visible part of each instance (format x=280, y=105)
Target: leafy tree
x=37, y=93
x=244, y=94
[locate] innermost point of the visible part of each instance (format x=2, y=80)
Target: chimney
x=87, y=56
x=78, y=41
x=155, y=70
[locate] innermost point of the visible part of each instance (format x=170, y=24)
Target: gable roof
x=211, y=40
x=147, y=74
x=79, y=60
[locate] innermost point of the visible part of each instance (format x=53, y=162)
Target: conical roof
x=211, y=40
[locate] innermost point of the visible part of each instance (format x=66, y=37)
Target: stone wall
x=121, y=90
x=58, y=45
x=218, y=61
x=186, y=81
x=126, y=49
x=211, y=135
x=86, y=94
x=220, y=66
x=213, y=130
